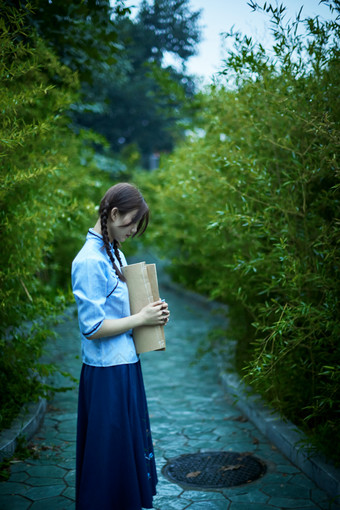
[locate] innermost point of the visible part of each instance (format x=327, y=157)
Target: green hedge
x=49, y=186
x=247, y=211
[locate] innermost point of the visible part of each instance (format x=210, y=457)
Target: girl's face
x=120, y=226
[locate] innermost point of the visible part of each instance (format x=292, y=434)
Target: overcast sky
x=220, y=15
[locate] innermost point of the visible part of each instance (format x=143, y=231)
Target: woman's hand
x=155, y=314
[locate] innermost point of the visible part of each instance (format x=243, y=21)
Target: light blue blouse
x=99, y=295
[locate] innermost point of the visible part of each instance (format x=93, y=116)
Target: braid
x=115, y=246
x=103, y=223
x=125, y=198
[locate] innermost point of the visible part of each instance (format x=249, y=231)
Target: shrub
x=247, y=213
x=48, y=181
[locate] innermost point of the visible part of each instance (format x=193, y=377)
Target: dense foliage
x=61, y=65
x=129, y=92
x=247, y=211
x=48, y=182
x=81, y=33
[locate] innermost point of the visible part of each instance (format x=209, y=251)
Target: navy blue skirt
x=115, y=462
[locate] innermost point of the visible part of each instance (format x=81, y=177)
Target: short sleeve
x=89, y=284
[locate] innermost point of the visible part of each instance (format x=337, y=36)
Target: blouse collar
x=95, y=234
x=92, y=233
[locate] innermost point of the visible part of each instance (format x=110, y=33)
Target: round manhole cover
x=211, y=470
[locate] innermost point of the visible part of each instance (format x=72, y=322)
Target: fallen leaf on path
x=241, y=418
x=193, y=474
x=231, y=467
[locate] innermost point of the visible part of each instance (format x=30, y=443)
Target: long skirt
x=115, y=462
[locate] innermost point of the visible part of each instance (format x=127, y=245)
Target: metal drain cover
x=212, y=470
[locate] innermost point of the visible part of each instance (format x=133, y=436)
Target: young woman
x=115, y=462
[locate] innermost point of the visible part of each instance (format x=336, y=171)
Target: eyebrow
x=134, y=220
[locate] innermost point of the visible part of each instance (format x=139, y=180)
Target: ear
x=114, y=214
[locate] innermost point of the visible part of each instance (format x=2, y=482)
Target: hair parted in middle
x=126, y=198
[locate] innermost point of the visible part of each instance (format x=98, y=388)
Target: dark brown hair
x=126, y=198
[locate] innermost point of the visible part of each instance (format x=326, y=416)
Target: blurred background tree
x=129, y=93
x=147, y=103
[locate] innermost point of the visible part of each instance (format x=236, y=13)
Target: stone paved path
x=189, y=413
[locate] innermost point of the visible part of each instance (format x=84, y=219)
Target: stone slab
x=25, y=425
x=284, y=434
